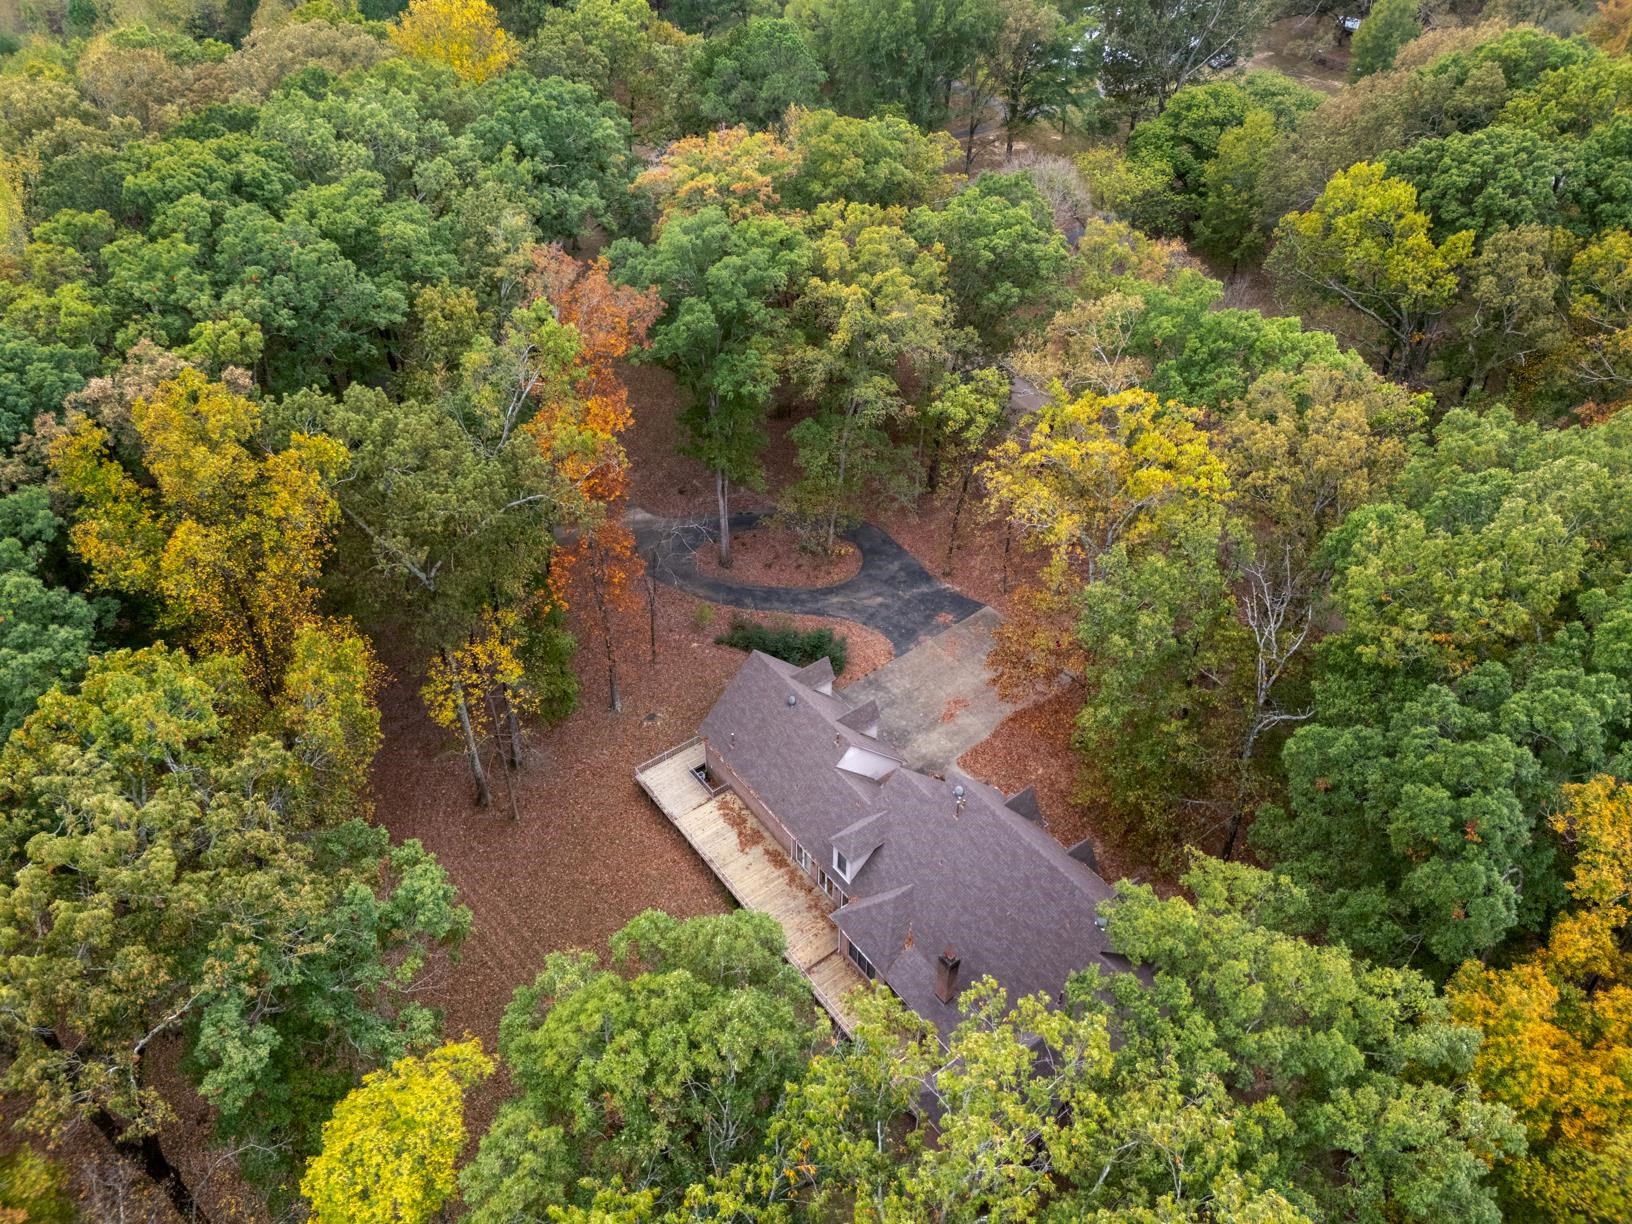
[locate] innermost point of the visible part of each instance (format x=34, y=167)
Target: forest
x=1263, y=361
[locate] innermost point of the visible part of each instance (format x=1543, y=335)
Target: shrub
x=783, y=641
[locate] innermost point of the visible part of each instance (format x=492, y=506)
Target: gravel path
x=892, y=593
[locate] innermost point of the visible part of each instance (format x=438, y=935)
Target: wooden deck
x=671, y=784
x=756, y=872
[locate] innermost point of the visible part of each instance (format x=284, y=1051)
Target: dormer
x=854, y=844
x=864, y=718
x=1025, y=804
x=818, y=676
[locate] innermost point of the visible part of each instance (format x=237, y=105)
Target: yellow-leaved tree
x=1557, y=1026
x=227, y=535
x=389, y=1148
x=460, y=680
x=465, y=35
x=1079, y=477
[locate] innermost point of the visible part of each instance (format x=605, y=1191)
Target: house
x=927, y=884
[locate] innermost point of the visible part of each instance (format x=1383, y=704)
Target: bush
x=784, y=642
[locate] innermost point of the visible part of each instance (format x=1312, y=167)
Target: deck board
x=757, y=872
x=670, y=782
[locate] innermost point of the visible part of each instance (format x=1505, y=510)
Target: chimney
x=946, y=976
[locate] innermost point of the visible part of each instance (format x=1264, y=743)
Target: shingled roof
x=931, y=868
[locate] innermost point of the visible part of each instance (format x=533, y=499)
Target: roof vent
x=792, y=700
x=958, y=799
x=1101, y=921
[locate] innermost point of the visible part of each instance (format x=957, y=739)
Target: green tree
x=964, y=420
x=1510, y=322
x=171, y=869
x=389, y=1148
x=1388, y=27
x=46, y=630
x=728, y=286
x=1159, y=732
x=875, y=307
x=1364, y=246
x=710, y=17
x=1231, y=225
x=1034, y=68
x=450, y=501
x=1303, y=449
x=1478, y=668
x=1006, y=262
x=1151, y=48
x=1171, y=335
x=564, y=150
x=883, y=161
x=902, y=55
x=1352, y=1082
x=658, y=1076
x=1484, y=181
x=1188, y=132
x=754, y=73
x=1325, y=1087
x=624, y=50
x=1423, y=817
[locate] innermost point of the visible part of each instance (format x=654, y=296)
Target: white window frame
x=861, y=961
x=841, y=865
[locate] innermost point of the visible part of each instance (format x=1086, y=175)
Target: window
x=842, y=866
x=862, y=963
x=803, y=855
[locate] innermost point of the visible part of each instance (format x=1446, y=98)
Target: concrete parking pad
x=937, y=700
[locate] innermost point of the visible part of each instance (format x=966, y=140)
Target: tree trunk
x=722, y=496
x=509, y=781
x=147, y=1154
x=838, y=492
x=651, y=604
x=597, y=583
x=512, y=726
x=478, y=773
x=957, y=514
x=1235, y=828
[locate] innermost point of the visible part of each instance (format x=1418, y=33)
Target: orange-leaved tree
x=1557, y=1026
x=579, y=429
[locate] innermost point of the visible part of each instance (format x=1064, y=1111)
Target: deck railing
x=664, y=756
